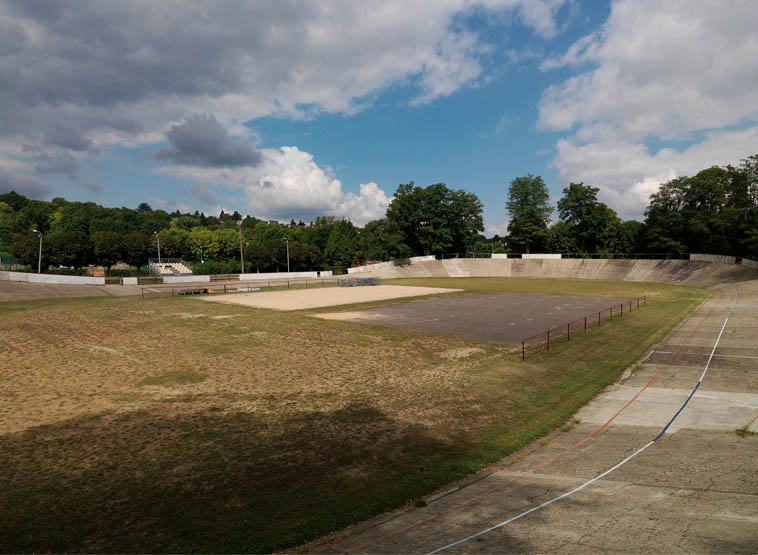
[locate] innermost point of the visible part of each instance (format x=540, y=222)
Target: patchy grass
x=745, y=431
x=268, y=429
x=173, y=377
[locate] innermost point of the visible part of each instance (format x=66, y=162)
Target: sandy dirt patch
x=300, y=299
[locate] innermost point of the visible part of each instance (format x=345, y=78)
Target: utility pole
x=287, y=242
x=242, y=260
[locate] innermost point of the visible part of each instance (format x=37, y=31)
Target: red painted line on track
x=536, y=468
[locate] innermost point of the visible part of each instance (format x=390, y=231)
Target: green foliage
x=68, y=248
x=108, y=248
x=529, y=213
x=344, y=246
x=715, y=211
x=435, y=219
x=382, y=241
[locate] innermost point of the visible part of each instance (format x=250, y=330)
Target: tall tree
x=435, y=219
x=529, y=213
x=344, y=245
x=108, y=248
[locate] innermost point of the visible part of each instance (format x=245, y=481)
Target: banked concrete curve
x=685, y=272
x=694, y=490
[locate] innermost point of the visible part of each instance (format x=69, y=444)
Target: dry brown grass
x=178, y=425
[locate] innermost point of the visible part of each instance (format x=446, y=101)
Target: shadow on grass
x=149, y=481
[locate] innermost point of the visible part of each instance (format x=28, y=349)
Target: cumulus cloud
x=26, y=185
x=65, y=136
x=62, y=163
x=663, y=68
x=94, y=186
x=628, y=173
x=288, y=183
x=204, y=194
x=674, y=70
x=120, y=72
x=200, y=140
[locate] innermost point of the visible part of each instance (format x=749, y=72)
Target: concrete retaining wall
x=285, y=275
x=688, y=272
x=369, y=267
x=186, y=279
x=51, y=278
x=714, y=258
x=541, y=256
x=499, y=255
x=130, y=281
x=750, y=263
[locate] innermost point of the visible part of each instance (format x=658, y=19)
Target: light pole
x=201, y=255
x=242, y=260
x=158, y=237
x=287, y=241
x=39, y=261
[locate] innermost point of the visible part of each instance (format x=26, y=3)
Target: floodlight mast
x=242, y=260
x=39, y=260
x=287, y=242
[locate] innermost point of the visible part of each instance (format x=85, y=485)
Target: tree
x=529, y=213
x=144, y=207
x=435, y=219
x=137, y=248
x=25, y=248
x=561, y=238
x=383, y=241
x=68, y=248
x=344, y=246
x=108, y=248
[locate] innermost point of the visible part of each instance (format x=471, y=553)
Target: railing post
x=523, y=350
x=598, y=319
x=622, y=309
x=611, y=314
x=585, y=324
x=568, y=332
x=548, y=340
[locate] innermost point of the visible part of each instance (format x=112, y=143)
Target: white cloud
x=500, y=229
x=672, y=70
x=661, y=68
x=288, y=183
x=154, y=63
x=627, y=173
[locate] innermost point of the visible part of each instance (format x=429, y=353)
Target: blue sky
x=294, y=110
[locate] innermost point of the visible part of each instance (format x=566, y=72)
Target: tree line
x=714, y=211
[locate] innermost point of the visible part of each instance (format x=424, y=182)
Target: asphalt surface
x=497, y=317
x=695, y=490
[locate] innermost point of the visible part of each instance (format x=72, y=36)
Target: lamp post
x=201, y=255
x=39, y=260
x=158, y=237
x=287, y=242
x=242, y=260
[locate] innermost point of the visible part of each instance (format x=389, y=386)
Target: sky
x=292, y=109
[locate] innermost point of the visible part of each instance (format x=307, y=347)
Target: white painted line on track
x=616, y=466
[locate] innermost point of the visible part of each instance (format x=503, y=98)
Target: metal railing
x=237, y=287
x=562, y=334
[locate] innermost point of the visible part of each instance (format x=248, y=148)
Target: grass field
x=168, y=424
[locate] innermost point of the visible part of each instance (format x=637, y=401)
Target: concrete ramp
x=684, y=272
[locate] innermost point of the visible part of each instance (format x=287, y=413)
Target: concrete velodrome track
x=695, y=489
x=615, y=482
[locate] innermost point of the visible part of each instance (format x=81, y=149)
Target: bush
x=210, y=267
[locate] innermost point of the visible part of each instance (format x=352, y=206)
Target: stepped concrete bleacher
x=169, y=267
